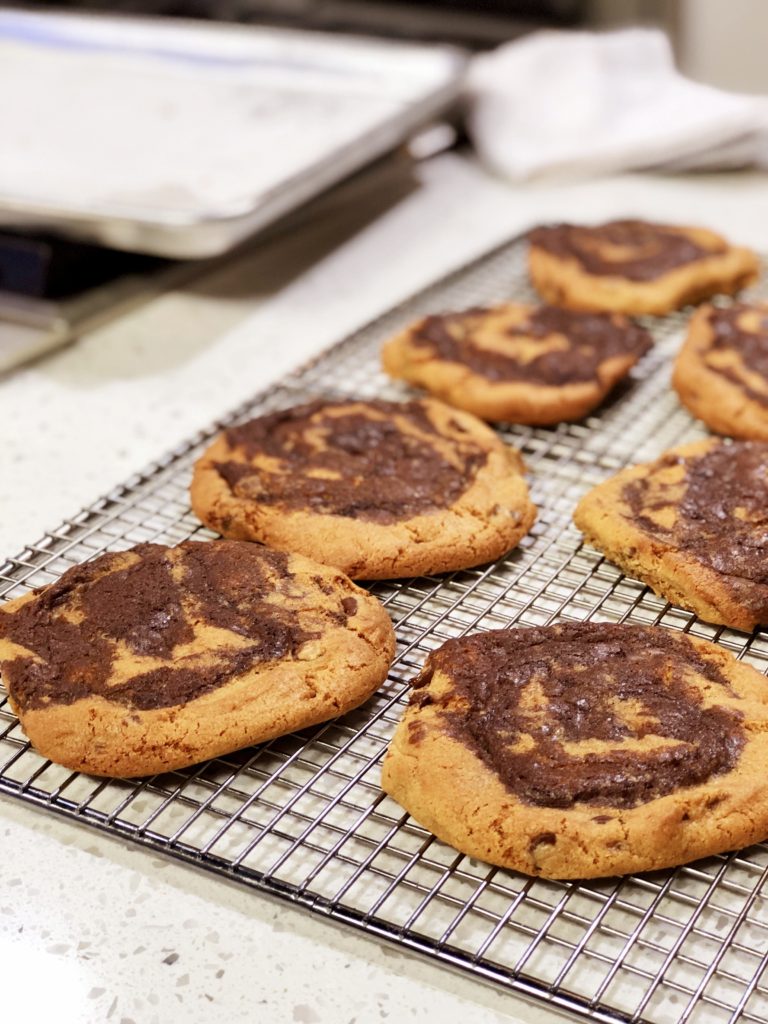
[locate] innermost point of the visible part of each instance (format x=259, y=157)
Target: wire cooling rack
x=303, y=817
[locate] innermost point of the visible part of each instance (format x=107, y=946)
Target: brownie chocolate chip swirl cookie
x=156, y=658
x=378, y=489
x=634, y=266
x=584, y=750
x=693, y=525
x=520, y=364
x=721, y=373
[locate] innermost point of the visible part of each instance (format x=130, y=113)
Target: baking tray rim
x=214, y=231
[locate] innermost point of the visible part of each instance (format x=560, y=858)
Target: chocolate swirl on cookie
x=592, y=338
x=590, y=713
x=148, y=604
x=749, y=346
x=377, y=461
x=721, y=518
x=633, y=249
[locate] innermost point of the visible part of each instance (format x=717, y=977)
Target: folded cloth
x=579, y=102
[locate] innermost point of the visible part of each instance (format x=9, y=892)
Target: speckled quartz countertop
x=92, y=929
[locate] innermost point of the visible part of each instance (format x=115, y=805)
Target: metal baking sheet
x=303, y=818
x=182, y=138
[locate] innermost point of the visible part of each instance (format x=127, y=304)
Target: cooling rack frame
x=302, y=818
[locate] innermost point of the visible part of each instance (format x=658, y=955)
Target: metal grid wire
x=303, y=817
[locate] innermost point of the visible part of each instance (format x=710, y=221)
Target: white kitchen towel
x=586, y=103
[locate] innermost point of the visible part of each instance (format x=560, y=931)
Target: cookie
x=721, y=372
x=693, y=526
x=521, y=364
x=378, y=489
x=584, y=750
x=156, y=658
x=634, y=266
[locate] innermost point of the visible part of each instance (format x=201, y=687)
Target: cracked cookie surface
x=155, y=658
x=635, y=266
x=693, y=525
x=517, y=363
x=721, y=372
x=584, y=750
x=378, y=489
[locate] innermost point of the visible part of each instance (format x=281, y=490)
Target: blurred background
x=148, y=136
x=716, y=40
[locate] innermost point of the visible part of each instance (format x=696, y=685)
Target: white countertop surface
x=92, y=929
